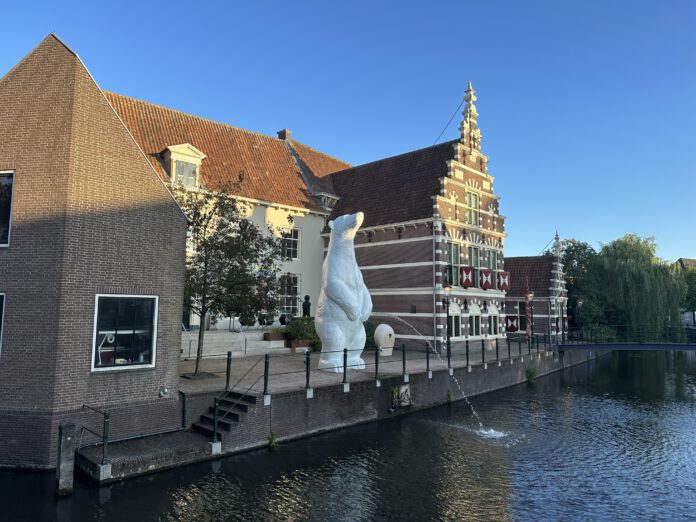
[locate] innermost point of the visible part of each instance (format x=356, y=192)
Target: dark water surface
x=614, y=440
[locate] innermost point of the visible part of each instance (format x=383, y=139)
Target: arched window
x=454, y=325
x=474, y=320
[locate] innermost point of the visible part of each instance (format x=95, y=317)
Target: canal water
x=609, y=440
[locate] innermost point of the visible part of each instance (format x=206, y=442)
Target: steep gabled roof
x=271, y=171
x=531, y=273
x=393, y=190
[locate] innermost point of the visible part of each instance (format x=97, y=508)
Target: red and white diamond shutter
x=504, y=281
x=511, y=324
x=486, y=278
x=467, y=276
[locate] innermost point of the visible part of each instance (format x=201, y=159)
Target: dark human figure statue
x=306, y=306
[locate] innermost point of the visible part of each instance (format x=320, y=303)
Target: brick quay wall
x=291, y=415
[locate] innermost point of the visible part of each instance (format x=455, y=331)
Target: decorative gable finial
x=470, y=133
x=557, y=245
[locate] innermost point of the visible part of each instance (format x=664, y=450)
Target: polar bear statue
x=344, y=302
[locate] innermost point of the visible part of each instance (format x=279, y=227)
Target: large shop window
x=6, y=180
x=125, y=332
x=2, y=317
x=289, y=293
x=453, y=260
x=291, y=244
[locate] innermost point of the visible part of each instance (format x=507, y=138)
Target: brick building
x=91, y=264
x=432, y=221
x=281, y=185
x=537, y=301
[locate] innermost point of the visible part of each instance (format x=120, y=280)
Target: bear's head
x=345, y=227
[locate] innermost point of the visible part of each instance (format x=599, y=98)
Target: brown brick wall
x=89, y=216
x=409, y=252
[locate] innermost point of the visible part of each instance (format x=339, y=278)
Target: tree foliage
x=690, y=296
x=624, y=286
x=231, y=264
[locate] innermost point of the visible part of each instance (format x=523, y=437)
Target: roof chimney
x=284, y=134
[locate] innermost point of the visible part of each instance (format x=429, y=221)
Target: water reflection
x=606, y=440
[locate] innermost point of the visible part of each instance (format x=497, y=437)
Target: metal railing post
x=345, y=365
x=216, y=406
x=403, y=358
x=266, y=364
x=105, y=436
x=467, y=352
x=427, y=358
x=529, y=346
x=228, y=373
x=308, y=362
x=483, y=351
x=377, y=354
x=509, y=351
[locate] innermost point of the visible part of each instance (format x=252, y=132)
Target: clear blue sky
x=588, y=109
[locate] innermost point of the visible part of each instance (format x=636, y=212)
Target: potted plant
x=276, y=334
x=301, y=333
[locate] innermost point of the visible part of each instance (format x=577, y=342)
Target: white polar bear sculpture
x=344, y=302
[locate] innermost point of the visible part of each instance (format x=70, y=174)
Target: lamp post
x=446, y=304
x=529, y=296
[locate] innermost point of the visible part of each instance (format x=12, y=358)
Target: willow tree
x=628, y=288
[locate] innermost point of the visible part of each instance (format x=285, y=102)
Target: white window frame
x=154, y=335
x=284, y=296
x=299, y=243
x=13, y=173
x=2, y=318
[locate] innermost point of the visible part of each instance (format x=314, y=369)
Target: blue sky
x=588, y=109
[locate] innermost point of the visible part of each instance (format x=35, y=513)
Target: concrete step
x=223, y=424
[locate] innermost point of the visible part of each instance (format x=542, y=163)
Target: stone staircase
x=218, y=343
x=231, y=410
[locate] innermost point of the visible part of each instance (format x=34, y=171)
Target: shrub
x=272, y=440
x=531, y=373
x=301, y=328
x=315, y=346
x=370, y=335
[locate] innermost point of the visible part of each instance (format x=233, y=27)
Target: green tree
x=689, y=302
x=231, y=264
x=627, y=287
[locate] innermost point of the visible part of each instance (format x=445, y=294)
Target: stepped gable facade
x=432, y=222
x=537, y=300
x=92, y=251
x=280, y=182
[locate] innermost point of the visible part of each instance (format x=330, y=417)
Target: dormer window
x=186, y=173
x=183, y=164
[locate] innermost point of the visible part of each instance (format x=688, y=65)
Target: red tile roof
x=270, y=167
x=396, y=189
x=529, y=273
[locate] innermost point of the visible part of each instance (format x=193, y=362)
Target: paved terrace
x=287, y=371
